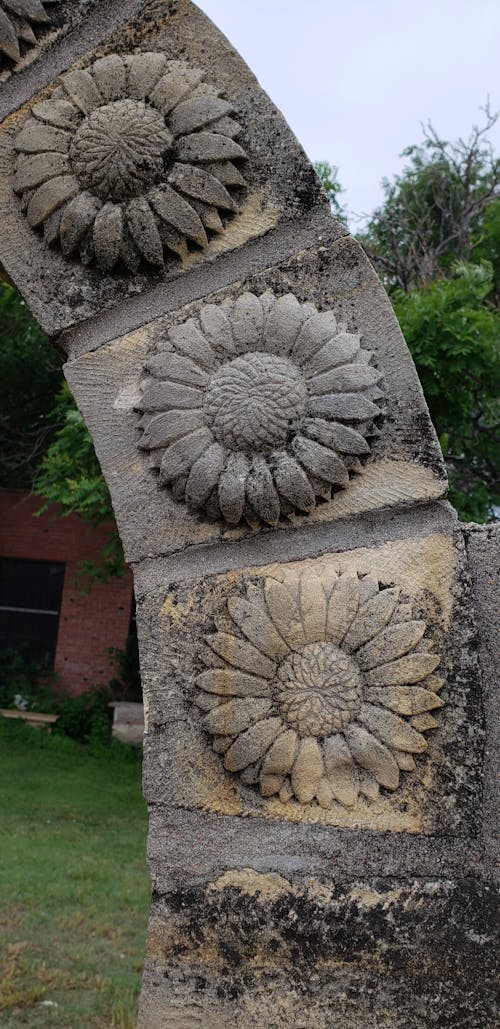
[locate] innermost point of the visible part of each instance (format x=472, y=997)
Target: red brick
x=89, y=623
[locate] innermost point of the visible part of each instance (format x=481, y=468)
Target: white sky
x=356, y=79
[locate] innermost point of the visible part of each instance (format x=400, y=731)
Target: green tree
x=454, y=337
x=70, y=475
x=31, y=374
x=438, y=210
x=328, y=174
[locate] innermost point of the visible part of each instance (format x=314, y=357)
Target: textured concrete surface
x=405, y=464
x=321, y=716
x=281, y=185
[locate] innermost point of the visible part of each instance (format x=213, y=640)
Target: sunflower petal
x=241, y=654
x=8, y=38
x=209, y=216
x=107, y=235
x=159, y=396
x=247, y=321
x=49, y=196
x=110, y=76
x=176, y=211
x=351, y=406
x=144, y=231
x=348, y=378
x=408, y=669
x=335, y=436
x=60, y=113
x=177, y=81
x=229, y=682
x=372, y=617
x=80, y=86
x=284, y=612
x=235, y=716
x=32, y=171
x=312, y=608
x=188, y=340
x=390, y=643
x=342, y=607
x=424, y=722
x=232, y=488
x=217, y=327
x=261, y=493
x=78, y=217
x=197, y=112
x=391, y=729
x=32, y=9
x=204, y=475
x=208, y=146
x=320, y=461
x=252, y=744
x=256, y=625
x=168, y=365
x=226, y=172
x=292, y=483
x=371, y=754
x=281, y=755
x=181, y=455
x=144, y=71
x=404, y=700
x=271, y=784
x=163, y=429
x=339, y=350
x=282, y=325
x=341, y=770
x=37, y=137
x=315, y=332
x=308, y=770
x=404, y=761
x=200, y=184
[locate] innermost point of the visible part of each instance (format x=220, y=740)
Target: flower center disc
x=119, y=149
x=320, y=689
x=255, y=402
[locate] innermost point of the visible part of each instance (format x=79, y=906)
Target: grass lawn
x=74, y=888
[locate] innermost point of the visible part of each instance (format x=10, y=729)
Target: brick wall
x=89, y=623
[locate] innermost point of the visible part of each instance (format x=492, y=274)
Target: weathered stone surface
x=399, y=465
x=287, y=654
x=264, y=949
x=261, y=186
x=122, y=151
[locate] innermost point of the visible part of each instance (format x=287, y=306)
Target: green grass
x=74, y=889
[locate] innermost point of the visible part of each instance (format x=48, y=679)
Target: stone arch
x=278, y=489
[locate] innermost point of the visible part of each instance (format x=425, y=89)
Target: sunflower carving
x=258, y=408
x=321, y=689
x=129, y=158
x=17, y=18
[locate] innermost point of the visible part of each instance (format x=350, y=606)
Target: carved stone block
x=137, y=165
x=261, y=406
x=331, y=690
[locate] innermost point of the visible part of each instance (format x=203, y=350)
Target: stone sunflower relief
x=258, y=408
x=130, y=157
x=18, y=21
x=323, y=688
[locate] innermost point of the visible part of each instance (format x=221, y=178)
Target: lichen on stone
x=128, y=158
x=259, y=408
x=323, y=688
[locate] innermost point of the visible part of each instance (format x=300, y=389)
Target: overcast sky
x=356, y=79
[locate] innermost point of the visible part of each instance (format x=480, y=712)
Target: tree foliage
x=70, y=475
x=31, y=374
x=329, y=176
x=438, y=211
x=454, y=337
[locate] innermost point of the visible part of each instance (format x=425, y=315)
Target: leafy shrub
x=86, y=718
x=25, y=678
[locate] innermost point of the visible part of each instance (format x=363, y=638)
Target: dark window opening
x=30, y=603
